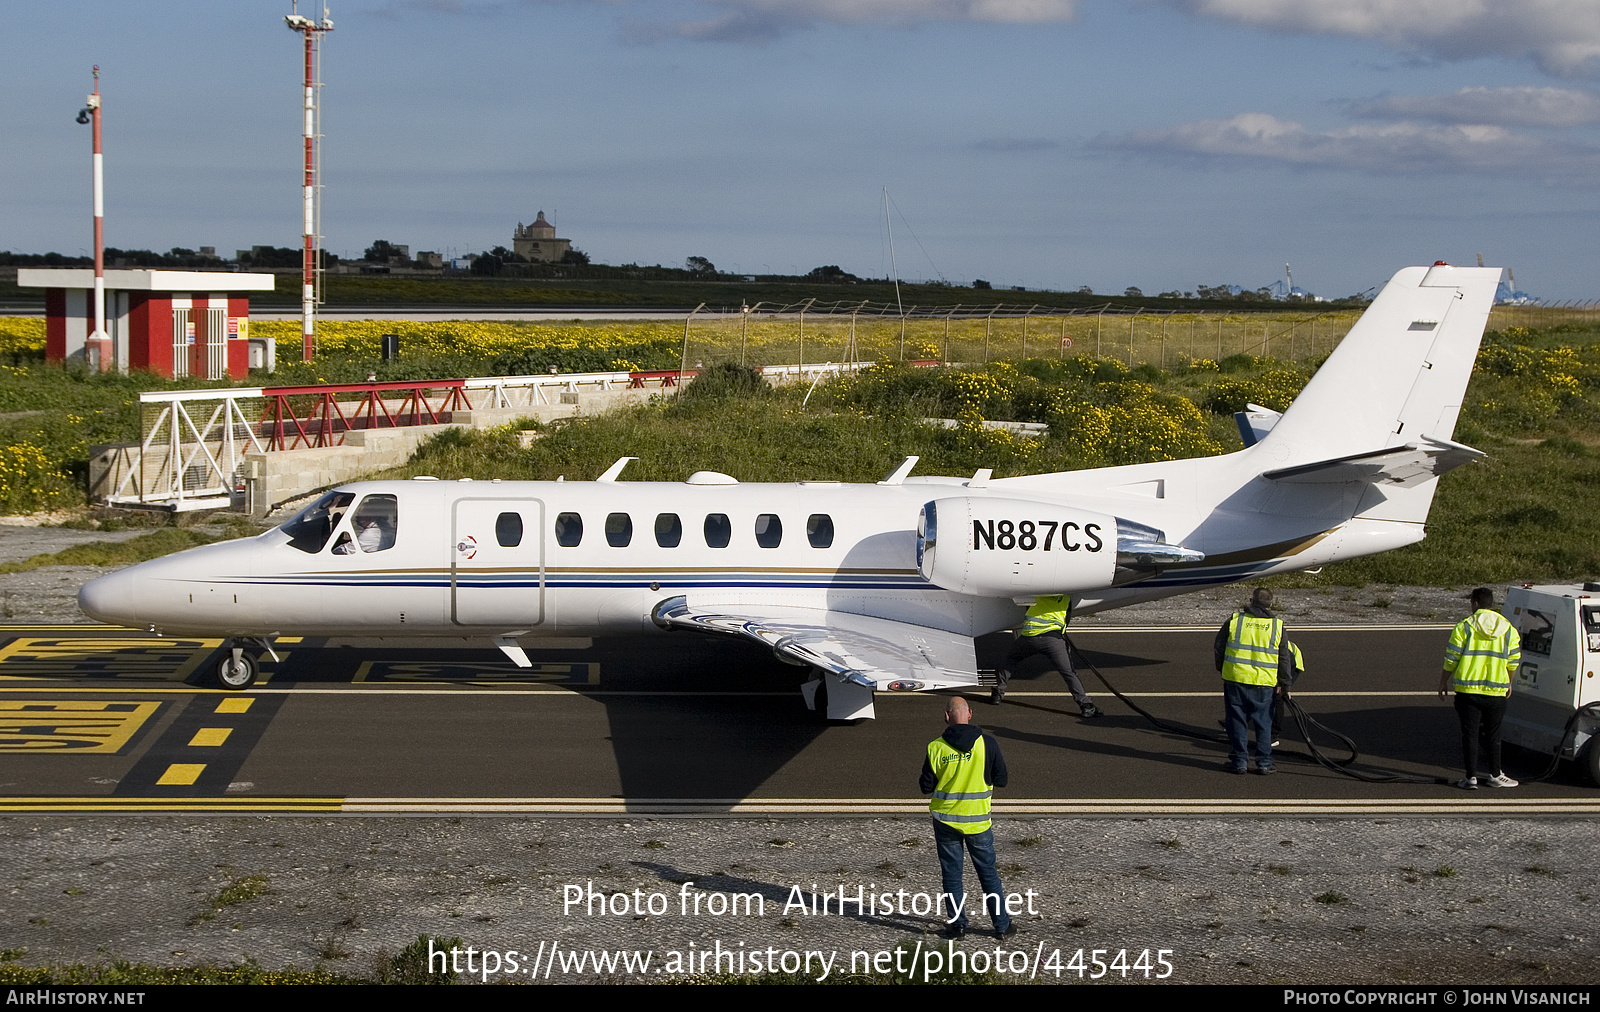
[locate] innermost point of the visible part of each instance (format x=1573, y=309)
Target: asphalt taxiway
x=117, y=721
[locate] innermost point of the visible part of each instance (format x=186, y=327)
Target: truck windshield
x=312, y=526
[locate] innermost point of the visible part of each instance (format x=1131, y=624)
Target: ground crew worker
x=1045, y=632
x=1251, y=654
x=1484, y=651
x=961, y=769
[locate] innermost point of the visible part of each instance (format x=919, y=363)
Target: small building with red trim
x=172, y=323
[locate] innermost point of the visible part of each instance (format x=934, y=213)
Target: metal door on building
x=497, y=562
x=182, y=334
x=216, y=343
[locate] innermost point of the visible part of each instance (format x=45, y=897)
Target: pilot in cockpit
x=374, y=523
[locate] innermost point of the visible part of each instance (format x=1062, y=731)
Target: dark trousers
x=1480, y=724
x=1054, y=648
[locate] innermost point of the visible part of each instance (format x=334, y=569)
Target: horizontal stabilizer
x=1405, y=465
x=878, y=653
x=1255, y=422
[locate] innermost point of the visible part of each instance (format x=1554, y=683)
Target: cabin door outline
x=492, y=584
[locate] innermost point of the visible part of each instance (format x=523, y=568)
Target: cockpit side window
x=375, y=523
x=311, y=527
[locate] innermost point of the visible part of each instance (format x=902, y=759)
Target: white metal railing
x=191, y=454
x=187, y=464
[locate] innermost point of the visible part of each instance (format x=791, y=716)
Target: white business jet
x=872, y=588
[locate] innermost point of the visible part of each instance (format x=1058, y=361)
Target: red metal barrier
x=664, y=377
x=325, y=421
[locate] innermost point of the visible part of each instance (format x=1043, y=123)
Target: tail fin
x=1400, y=373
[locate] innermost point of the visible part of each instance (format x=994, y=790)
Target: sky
x=1163, y=144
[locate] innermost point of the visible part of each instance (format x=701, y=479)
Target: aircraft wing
x=877, y=653
x=1405, y=465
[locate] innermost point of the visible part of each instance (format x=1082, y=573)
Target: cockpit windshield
x=312, y=526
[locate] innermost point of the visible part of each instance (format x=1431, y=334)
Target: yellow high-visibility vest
x=961, y=799
x=1251, y=657
x=1484, y=650
x=1048, y=614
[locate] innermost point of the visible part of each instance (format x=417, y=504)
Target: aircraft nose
x=110, y=599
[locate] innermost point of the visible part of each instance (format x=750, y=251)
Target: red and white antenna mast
x=98, y=343
x=310, y=263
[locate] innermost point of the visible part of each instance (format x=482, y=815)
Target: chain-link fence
x=810, y=333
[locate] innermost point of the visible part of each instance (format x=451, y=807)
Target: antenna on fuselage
x=615, y=469
x=898, y=475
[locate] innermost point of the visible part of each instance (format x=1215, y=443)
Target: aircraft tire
x=1591, y=760
x=240, y=676
x=822, y=701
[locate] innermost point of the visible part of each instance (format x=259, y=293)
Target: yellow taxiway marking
x=71, y=725
x=181, y=774
x=210, y=736
x=235, y=704
x=31, y=657
x=230, y=805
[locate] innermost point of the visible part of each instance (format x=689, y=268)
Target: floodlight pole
x=98, y=340
x=308, y=272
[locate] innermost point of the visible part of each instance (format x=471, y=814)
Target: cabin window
x=619, y=530
x=569, y=530
x=311, y=528
x=669, y=530
x=508, y=529
x=819, y=530
x=769, y=530
x=719, y=530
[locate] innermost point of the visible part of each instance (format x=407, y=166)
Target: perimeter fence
x=809, y=332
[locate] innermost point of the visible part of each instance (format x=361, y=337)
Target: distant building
x=538, y=242
x=429, y=260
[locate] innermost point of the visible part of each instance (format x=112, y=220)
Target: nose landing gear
x=237, y=669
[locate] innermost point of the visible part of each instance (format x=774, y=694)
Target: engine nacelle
x=1014, y=548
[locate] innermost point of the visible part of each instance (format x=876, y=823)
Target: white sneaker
x=1499, y=780
x=1468, y=783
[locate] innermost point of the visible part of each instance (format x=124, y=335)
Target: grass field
x=1525, y=513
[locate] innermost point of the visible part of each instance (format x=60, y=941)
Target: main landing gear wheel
x=1591, y=760
x=237, y=669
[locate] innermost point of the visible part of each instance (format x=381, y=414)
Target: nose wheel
x=237, y=669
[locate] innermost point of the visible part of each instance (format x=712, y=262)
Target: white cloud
x=1522, y=106
x=1563, y=36
x=1387, y=148
x=764, y=20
